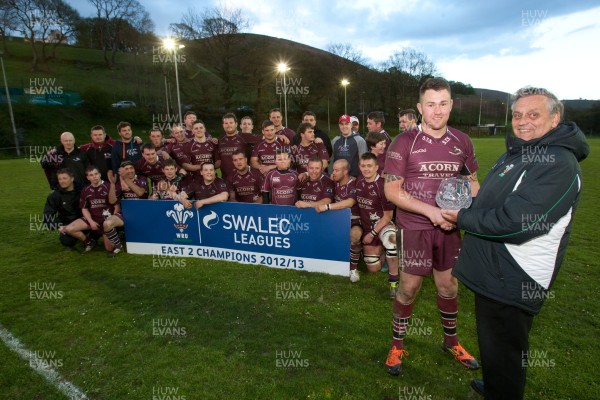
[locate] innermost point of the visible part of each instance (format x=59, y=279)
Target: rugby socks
x=392, y=278
x=113, y=236
x=402, y=313
x=449, y=311
x=354, y=255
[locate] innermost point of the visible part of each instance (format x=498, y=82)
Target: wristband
x=374, y=232
x=328, y=207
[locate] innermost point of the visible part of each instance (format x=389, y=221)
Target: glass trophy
x=454, y=194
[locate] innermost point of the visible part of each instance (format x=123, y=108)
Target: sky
x=501, y=45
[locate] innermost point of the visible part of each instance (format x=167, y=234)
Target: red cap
x=344, y=118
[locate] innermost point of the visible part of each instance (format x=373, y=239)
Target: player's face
x=240, y=162
x=373, y=126
x=269, y=133
x=282, y=161
x=368, y=168
x=531, y=118
x=208, y=173
x=345, y=128
x=379, y=148
x=65, y=181
x=156, y=138
x=405, y=124
x=94, y=177
x=199, y=131
x=310, y=119
x=149, y=155
x=309, y=135
x=246, y=125
x=98, y=136
x=435, y=106
x=125, y=133
x=189, y=120
x=68, y=142
x=229, y=126
x=338, y=172
x=170, y=171
x=276, y=118
x=177, y=133
x=129, y=171
x=315, y=169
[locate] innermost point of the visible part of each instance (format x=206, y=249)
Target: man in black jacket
x=67, y=155
x=516, y=235
x=62, y=206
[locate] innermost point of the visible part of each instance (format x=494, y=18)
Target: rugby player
x=159, y=143
x=209, y=189
x=306, y=148
x=177, y=149
x=407, y=119
x=169, y=187
x=126, y=148
x=62, y=206
x=375, y=122
x=318, y=188
x=98, y=151
x=188, y=120
x=416, y=163
x=281, y=184
x=277, y=119
x=378, y=230
x=246, y=128
x=311, y=118
x=95, y=208
x=150, y=166
x=199, y=150
x=229, y=143
x=246, y=182
x=263, y=155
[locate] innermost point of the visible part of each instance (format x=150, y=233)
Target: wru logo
x=180, y=216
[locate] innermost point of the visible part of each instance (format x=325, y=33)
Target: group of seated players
x=279, y=166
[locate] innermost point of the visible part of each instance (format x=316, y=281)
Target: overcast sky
x=500, y=45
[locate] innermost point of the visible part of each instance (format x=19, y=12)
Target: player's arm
x=394, y=191
x=232, y=197
x=188, y=166
x=112, y=191
x=385, y=220
x=135, y=188
x=254, y=163
x=217, y=198
x=88, y=218
x=50, y=209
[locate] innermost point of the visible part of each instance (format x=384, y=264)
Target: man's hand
x=437, y=219
x=450, y=215
x=368, y=239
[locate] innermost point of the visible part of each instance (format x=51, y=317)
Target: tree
x=67, y=19
x=345, y=50
x=7, y=22
x=114, y=17
x=219, y=28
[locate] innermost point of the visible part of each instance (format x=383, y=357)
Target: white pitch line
x=49, y=373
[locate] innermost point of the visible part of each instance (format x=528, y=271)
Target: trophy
x=453, y=194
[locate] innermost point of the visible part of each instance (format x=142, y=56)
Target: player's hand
x=165, y=155
x=198, y=204
x=283, y=139
x=368, y=239
x=94, y=225
x=186, y=203
x=137, y=140
x=214, y=141
x=321, y=208
x=112, y=179
x=302, y=177
x=450, y=215
x=318, y=140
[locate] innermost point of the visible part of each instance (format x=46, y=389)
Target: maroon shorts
x=99, y=221
x=420, y=252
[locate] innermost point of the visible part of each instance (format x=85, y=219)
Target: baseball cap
x=344, y=118
x=126, y=163
x=354, y=119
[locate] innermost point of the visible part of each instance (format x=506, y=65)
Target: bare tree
x=7, y=22
x=114, y=16
x=219, y=28
x=412, y=62
x=67, y=19
x=345, y=50
x=33, y=19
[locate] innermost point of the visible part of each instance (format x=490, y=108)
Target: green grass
x=234, y=326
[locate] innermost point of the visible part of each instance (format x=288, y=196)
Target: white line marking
x=49, y=373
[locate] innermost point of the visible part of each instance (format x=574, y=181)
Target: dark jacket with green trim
x=518, y=225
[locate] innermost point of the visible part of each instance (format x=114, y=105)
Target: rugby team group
x=389, y=185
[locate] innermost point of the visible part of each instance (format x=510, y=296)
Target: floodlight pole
x=177, y=82
x=10, y=110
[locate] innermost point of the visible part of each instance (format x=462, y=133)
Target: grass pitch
x=136, y=327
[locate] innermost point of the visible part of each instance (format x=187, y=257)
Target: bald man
x=67, y=155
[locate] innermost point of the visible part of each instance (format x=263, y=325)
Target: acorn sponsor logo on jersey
x=434, y=166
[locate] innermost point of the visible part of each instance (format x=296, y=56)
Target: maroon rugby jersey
x=177, y=152
x=423, y=161
x=229, y=144
x=317, y=190
x=266, y=152
x=199, y=190
x=287, y=132
x=152, y=171
x=130, y=194
x=95, y=199
x=199, y=153
x=247, y=186
x=347, y=191
x=301, y=155
x=371, y=201
x=282, y=186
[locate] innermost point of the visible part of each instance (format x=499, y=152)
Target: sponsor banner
x=275, y=236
